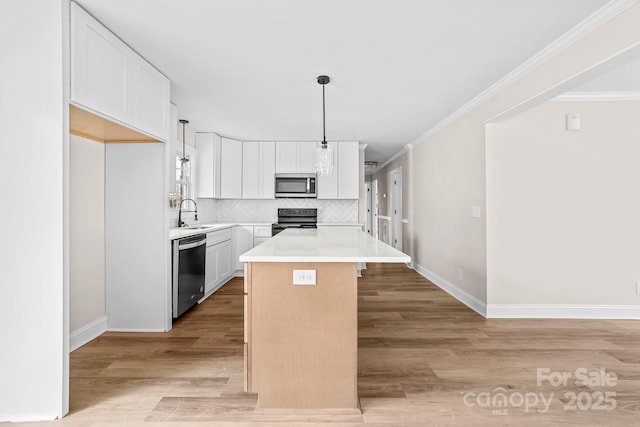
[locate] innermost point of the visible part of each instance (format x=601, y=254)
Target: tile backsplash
x=267, y=210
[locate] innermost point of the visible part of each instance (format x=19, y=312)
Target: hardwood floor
x=424, y=359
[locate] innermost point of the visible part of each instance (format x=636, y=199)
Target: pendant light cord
x=184, y=153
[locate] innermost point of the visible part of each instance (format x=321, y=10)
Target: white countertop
x=178, y=233
x=326, y=244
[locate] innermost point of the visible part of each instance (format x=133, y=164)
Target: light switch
x=574, y=121
x=475, y=212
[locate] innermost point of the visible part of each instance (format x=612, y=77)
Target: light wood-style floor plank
x=423, y=359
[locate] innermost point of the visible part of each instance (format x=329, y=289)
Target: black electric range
x=295, y=218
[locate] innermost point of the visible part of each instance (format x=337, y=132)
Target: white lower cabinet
x=246, y=237
x=218, y=266
x=242, y=242
x=260, y=234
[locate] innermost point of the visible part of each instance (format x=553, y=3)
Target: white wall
x=564, y=223
x=34, y=352
x=86, y=234
x=449, y=164
x=136, y=237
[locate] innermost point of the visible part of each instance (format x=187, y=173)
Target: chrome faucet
x=180, y=221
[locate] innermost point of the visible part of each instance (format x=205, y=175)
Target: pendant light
x=184, y=158
x=324, y=159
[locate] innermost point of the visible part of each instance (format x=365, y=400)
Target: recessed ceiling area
x=247, y=68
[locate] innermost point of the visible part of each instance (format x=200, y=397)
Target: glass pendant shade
x=324, y=160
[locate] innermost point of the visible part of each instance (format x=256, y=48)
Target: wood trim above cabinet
x=88, y=125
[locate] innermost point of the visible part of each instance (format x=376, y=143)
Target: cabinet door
x=267, y=174
x=101, y=67
x=251, y=181
x=242, y=242
x=150, y=91
x=306, y=161
x=206, y=146
x=348, y=170
x=259, y=240
x=224, y=260
x=211, y=273
x=286, y=157
x=230, y=169
x=328, y=185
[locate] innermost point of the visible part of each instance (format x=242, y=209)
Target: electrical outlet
x=304, y=277
x=459, y=273
x=638, y=288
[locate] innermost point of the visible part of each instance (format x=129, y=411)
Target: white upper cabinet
x=348, y=170
x=286, y=157
x=230, y=169
x=343, y=183
x=208, y=146
x=250, y=170
x=258, y=170
x=295, y=157
x=327, y=186
x=108, y=78
x=306, y=157
x=100, y=67
x=150, y=98
x=219, y=167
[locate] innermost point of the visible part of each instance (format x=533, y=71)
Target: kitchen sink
x=196, y=227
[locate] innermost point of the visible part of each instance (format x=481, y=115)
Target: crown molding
x=595, y=20
x=599, y=96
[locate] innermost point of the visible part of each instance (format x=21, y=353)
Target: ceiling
x=247, y=68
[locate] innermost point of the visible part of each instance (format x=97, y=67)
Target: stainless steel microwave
x=295, y=185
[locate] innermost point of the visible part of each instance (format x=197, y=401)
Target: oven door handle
x=192, y=245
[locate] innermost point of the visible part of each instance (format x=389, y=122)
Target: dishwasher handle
x=191, y=245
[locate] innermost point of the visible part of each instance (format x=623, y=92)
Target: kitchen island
x=301, y=317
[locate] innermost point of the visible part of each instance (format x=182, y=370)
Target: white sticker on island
x=304, y=277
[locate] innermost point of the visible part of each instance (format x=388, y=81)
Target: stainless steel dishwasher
x=188, y=272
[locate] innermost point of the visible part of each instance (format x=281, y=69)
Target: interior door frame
x=376, y=204
x=368, y=223
x=395, y=205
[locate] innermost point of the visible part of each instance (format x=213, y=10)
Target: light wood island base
x=301, y=342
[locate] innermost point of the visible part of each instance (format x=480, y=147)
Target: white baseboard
x=464, y=297
x=88, y=332
x=135, y=330
x=563, y=311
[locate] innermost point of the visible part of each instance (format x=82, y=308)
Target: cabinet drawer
x=218, y=236
x=261, y=231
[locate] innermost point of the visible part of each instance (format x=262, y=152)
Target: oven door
x=279, y=227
